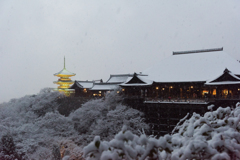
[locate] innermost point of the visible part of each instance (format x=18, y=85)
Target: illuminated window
x=156, y=87
x=163, y=88
x=225, y=92
x=123, y=90
x=171, y=86
x=238, y=89
x=100, y=92
x=214, y=93
x=205, y=92
x=191, y=86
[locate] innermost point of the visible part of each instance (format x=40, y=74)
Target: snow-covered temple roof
x=207, y=66
x=65, y=72
x=98, y=81
x=226, y=78
x=86, y=84
x=119, y=78
x=192, y=66
x=104, y=86
x=137, y=80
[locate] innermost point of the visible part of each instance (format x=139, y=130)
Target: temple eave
x=62, y=82
x=64, y=89
x=64, y=75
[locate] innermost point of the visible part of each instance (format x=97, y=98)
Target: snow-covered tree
x=105, y=117
x=8, y=149
x=36, y=126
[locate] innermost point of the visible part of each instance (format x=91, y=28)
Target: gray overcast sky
x=103, y=37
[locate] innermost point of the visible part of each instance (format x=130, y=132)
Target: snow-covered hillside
x=34, y=129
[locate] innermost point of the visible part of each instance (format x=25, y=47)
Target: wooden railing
x=190, y=100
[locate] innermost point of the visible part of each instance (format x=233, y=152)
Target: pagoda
x=64, y=81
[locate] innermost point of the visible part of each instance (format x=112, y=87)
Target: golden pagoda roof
x=64, y=71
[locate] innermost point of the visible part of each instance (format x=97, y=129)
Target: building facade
x=187, y=75
x=202, y=75
x=98, y=88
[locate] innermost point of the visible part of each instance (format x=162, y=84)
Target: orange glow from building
x=214, y=93
x=225, y=92
x=205, y=92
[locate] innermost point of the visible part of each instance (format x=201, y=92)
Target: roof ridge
x=198, y=51
x=118, y=75
x=106, y=83
x=64, y=69
x=85, y=81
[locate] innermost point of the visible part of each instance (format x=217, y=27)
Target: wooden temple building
x=98, y=88
x=185, y=82
x=200, y=74
x=206, y=74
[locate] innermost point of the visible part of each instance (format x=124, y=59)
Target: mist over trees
x=34, y=125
